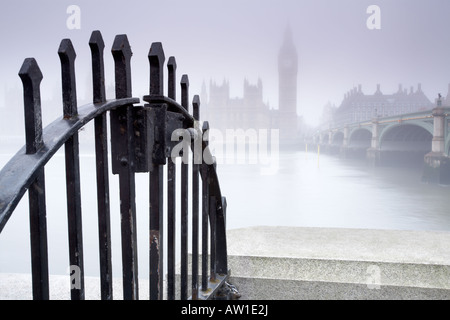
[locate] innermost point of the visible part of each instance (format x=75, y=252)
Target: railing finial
x=97, y=46
x=196, y=107
x=31, y=76
x=185, y=92
x=67, y=56
x=122, y=53
x=172, y=67
x=172, y=62
x=156, y=58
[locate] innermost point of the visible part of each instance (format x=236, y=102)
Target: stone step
x=314, y=263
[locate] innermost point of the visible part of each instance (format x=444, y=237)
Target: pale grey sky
x=238, y=39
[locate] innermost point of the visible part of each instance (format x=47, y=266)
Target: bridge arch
x=338, y=138
x=411, y=136
x=405, y=144
x=360, y=137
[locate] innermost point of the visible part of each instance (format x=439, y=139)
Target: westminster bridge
x=402, y=139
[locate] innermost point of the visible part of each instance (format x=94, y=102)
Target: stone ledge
x=324, y=263
x=358, y=272
x=275, y=289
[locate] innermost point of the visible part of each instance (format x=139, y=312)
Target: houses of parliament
x=250, y=111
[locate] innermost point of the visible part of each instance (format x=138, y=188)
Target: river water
x=305, y=189
x=317, y=190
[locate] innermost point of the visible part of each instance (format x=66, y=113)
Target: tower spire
x=287, y=81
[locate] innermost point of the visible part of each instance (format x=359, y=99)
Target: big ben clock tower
x=287, y=91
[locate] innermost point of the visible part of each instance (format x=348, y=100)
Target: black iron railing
x=144, y=139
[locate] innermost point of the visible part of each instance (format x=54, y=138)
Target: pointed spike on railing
x=67, y=56
x=31, y=77
x=156, y=58
x=66, y=50
x=185, y=92
x=205, y=126
x=121, y=51
x=172, y=63
x=205, y=130
x=198, y=150
x=185, y=80
x=196, y=107
x=172, y=67
x=97, y=46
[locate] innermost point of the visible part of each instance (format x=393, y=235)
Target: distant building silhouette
x=357, y=106
x=250, y=111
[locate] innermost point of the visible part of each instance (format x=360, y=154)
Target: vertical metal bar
x=212, y=216
x=156, y=244
x=171, y=229
x=122, y=161
x=197, y=158
x=205, y=214
x=38, y=235
x=171, y=195
x=184, y=198
x=101, y=152
x=156, y=59
x=221, y=239
x=31, y=77
x=172, y=78
x=97, y=46
x=67, y=56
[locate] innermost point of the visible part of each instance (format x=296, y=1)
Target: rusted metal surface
x=67, y=56
x=171, y=195
x=157, y=149
x=142, y=141
x=97, y=46
x=122, y=149
x=196, y=160
x=184, y=195
x=31, y=77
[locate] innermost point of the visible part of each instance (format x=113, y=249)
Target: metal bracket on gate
x=153, y=128
x=140, y=126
